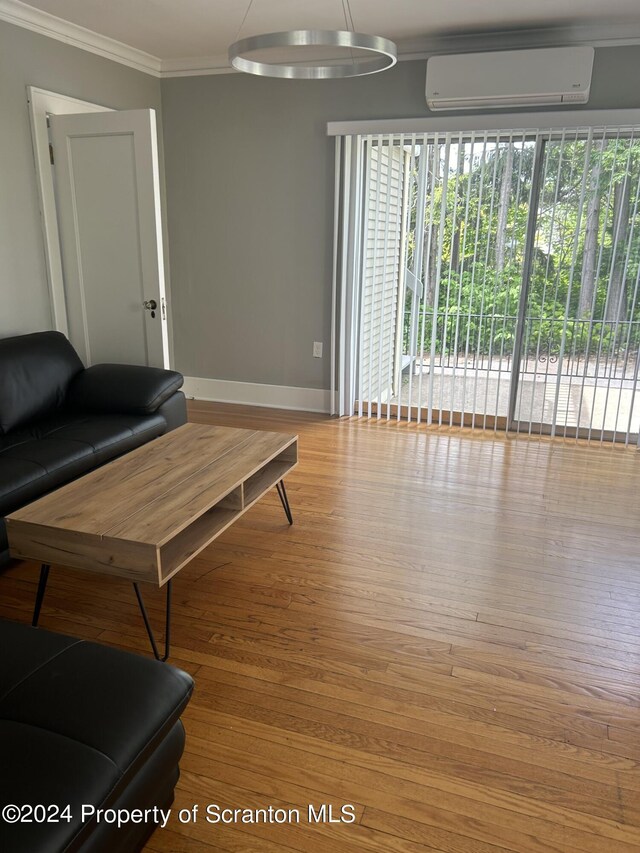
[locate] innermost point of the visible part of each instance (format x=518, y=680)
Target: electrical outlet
x=317, y=349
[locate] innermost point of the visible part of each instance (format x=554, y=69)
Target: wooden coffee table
x=147, y=514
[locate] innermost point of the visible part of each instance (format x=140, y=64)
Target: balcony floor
x=603, y=405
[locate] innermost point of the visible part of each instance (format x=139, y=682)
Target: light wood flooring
x=448, y=638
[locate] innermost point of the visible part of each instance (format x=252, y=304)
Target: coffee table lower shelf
x=45, y=568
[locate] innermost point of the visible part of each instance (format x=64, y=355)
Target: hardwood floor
x=447, y=639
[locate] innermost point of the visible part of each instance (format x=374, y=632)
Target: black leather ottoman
x=84, y=725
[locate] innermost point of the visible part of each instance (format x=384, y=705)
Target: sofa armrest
x=122, y=388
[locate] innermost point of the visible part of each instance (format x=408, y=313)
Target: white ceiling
x=186, y=30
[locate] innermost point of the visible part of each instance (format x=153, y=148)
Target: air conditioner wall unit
x=510, y=78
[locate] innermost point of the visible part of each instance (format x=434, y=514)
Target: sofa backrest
x=35, y=371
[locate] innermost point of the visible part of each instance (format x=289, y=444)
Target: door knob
x=151, y=305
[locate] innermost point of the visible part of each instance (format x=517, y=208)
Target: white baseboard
x=256, y=394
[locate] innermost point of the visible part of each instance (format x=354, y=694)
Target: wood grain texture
x=146, y=514
x=447, y=637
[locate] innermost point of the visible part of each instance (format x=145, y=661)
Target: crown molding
x=22, y=15
x=612, y=35
x=197, y=66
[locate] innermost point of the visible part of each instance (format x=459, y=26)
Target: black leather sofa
x=84, y=725
x=59, y=420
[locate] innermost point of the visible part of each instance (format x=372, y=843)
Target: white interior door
x=108, y=203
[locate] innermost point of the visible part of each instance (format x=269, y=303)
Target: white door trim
x=41, y=103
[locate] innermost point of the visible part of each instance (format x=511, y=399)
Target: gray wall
x=249, y=174
x=250, y=203
x=30, y=59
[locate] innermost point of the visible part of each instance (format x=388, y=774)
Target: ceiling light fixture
x=379, y=53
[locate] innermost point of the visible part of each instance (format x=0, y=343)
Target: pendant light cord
x=245, y=18
x=346, y=8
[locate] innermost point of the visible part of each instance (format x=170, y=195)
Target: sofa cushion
x=98, y=431
x=35, y=371
x=19, y=477
x=35, y=460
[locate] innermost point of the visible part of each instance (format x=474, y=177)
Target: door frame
x=41, y=103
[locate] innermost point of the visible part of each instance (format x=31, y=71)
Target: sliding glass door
x=445, y=222
x=495, y=280
x=460, y=332
x=579, y=365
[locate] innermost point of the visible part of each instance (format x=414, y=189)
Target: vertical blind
x=491, y=279
x=381, y=269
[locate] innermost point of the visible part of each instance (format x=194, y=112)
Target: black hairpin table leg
x=282, y=492
x=147, y=624
x=42, y=586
